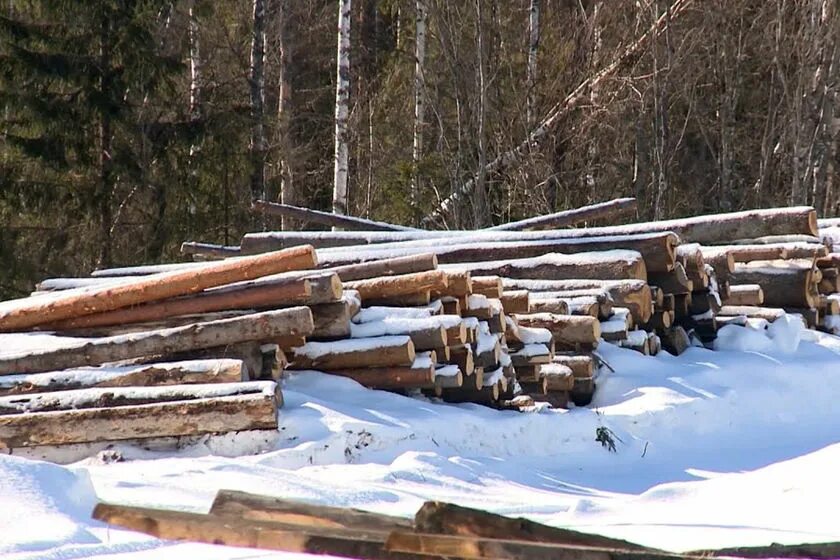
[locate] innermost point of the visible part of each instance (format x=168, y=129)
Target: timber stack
x=505, y=317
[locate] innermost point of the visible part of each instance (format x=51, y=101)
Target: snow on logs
x=73, y=352
x=30, y=312
x=604, y=265
x=113, y=414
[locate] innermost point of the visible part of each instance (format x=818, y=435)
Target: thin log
x=255, y=507
x=384, y=351
x=767, y=313
x=608, y=265
x=209, y=250
x=143, y=375
x=30, y=312
x=253, y=410
x=264, y=326
x=324, y=218
x=566, y=218
x=390, y=378
x=410, y=264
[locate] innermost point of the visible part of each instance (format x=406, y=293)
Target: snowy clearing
x=714, y=448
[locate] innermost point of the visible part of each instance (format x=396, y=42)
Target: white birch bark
x=256, y=84
x=419, y=99
x=533, y=47
x=481, y=217
x=342, y=109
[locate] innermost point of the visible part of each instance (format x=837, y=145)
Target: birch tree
x=419, y=100
x=284, y=95
x=533, y=47
x=342, y=108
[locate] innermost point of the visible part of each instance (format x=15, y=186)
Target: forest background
x=129, y=126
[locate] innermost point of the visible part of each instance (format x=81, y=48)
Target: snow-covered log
x=459, y=284
x=633, y=294
x=516, y=301
x=581, y=366
x=487, y=286
x=209, y=250
x=566, y=218
x=461, y=355
x=769, y=314
x=658, y=250
x=383, y=351
x=421, y=373
x=126, y=413
x=164, y=373
x=426, y=334
x=30, y=312
x=674, y=282
x=606, y=265
x=332, y=320
x=69, y=353
x=784, y=283
x=409, y=264
x=564, y=328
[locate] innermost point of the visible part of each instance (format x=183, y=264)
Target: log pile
x=506, y=317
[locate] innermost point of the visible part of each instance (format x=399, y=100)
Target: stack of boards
x=165, y=354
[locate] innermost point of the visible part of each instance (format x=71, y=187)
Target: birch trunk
x=284, y=95
x=533, y=47
x=342, y=109
x=419, y=101
x=481, y=211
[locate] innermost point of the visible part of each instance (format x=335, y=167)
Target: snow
x=577, y=259
x=714, y=448
x=493, y=377
x=379, y=313
x=533, y=351
x=449, y=370
x=534, y=335
x=315, y=350
x=402, y=325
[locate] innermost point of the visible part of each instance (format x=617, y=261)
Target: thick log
x=332, y=320
x=324, y=218
x=516, y=301
x=564, y=328
x=278, y=294
x=635, y=295
x=233, y=531
x=384, y=351
x=566, y=218
x=426, y=334
x=448, y=377
x=558, y=377
x=459, y=284
x=30, y=312
x=784, y=283
x=675, y=340
x=487, y=395
x=674, y=282
x=264, y=326
x=462, y=356
x=143, y=375
x=401, y=285
x=830, y=281
x=535, y=388
x=487, y=286
x=553, y=305
x=581, y=366
x=254, y=507
x=254, y=409
x=767, y=313
x=659, y=321
x=609, y=265
x=745, y=294
x=657, y=250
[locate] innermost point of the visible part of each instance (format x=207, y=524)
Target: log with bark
x=220, y=370
x=113, y=414
x=657, y=250
x=581, y=366
x=383, y=351
x=209, y=250
x=564, y=328
x=421, y=373
x=516, y=301
x=279, y=293
x=68, y=353
x=784, y=283
x=633, y=294
x=426, y=334
x=400, y=285
x=487, y=286
x=255, y=507
x=606, y=265
x=30, y=312
x=769, y=314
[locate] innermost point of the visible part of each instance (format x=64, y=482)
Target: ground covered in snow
x=738, y=446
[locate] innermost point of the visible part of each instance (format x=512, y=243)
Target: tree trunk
x=566, y=218
x=256, y=82
x=105, y=186
x=481, y=208
x=256, y=327
x=342, y=108
x=419, y=103
x=284, y=98
x=533, y=47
